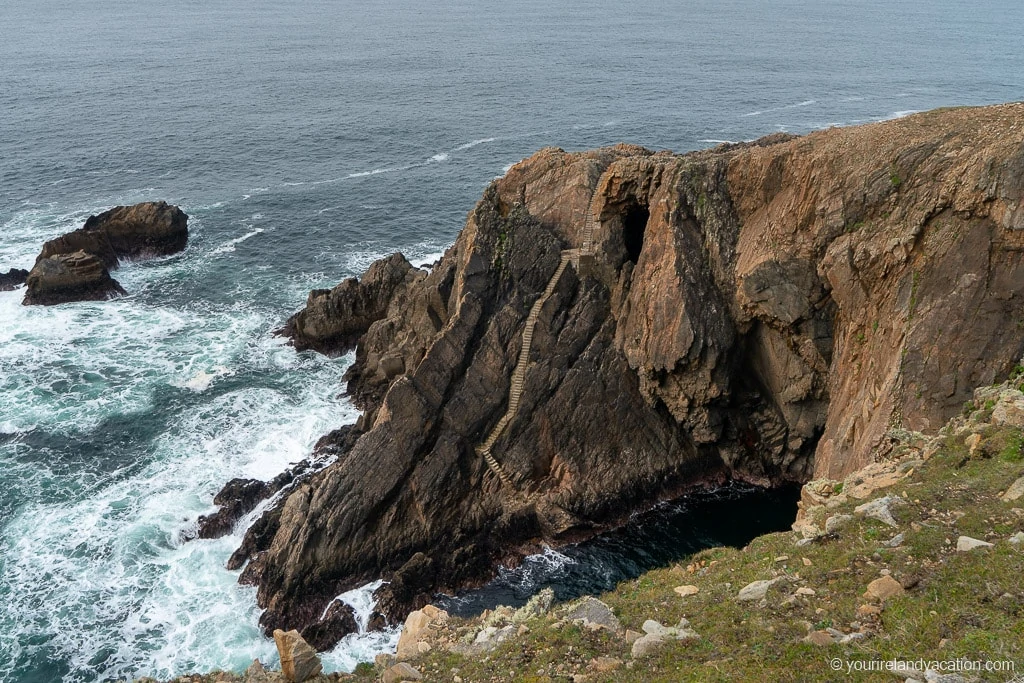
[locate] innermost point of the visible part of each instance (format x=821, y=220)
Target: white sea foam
x=95, y=572
x=474, y=143
x=443, y=156
x=899, y=114
x=230, y=245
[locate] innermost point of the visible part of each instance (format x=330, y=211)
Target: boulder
x=756, y=590
x=966, y=544
x=298, y=660
x=884, y=588
x=401, y=672
x=126, y=232
x=1015, y=491
x=12, y=279
x=66, y=278
x=595, y=615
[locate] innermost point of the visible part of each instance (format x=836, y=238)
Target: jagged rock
x=126, y=232
x=884, y=588
x=256, y=673
x=415, y=626
x=966, y=544
x=12, y=279
x=763, y=311
x=756, y=590
x=1009, y=409
x=594, y=614
x=334, y=319
x=880, y=509
x=401, y=672
x=298, y=660
x=65, y=278
x=338, y=621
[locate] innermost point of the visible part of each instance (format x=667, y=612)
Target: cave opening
x=634, y=224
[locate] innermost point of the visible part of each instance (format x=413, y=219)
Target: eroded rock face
x=70, y=277
x=126, y=232
x=761, y=311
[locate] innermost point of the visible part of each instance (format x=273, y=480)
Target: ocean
x=305, y=140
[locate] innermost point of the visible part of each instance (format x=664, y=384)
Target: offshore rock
x=764, y=311
x=133, y=232
x=12, y=279
x=70, y=277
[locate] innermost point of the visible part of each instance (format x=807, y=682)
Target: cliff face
x=763, y=311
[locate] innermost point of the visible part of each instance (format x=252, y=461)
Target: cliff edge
x=614, y=326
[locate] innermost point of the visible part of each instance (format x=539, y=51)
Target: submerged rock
x=70, y=277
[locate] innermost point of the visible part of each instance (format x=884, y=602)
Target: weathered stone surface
x=65, y=278
x=762, y=311
x=756, y=590
x=884, y=588
x=12, y=279
x=594, y=614
x=126, y=232
x=685, y=591
x=966, y=544
x=1015, y=491
x=880, y=509
x=415, y=625
x=1009, y=409
x=401, y=672
x=298, y=660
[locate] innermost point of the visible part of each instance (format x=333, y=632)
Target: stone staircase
x=583, y=259
x=515, y=391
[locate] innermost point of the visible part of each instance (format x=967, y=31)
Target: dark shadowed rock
x=12, y=279
x=760, y=311
x=70, y=277
x=126, y=232
x=335, y=624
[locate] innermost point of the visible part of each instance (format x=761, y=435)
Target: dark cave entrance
x=634, y=223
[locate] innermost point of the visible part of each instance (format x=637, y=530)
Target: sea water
x=305, y=140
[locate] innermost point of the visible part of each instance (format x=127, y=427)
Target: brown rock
x=884, y=588
x=298, y=660
x=819, y=638
x=762, y=311
x=66, y=278
x=126, y=232
x=401, y=672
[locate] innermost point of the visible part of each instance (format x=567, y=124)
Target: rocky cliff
x=614, y=326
